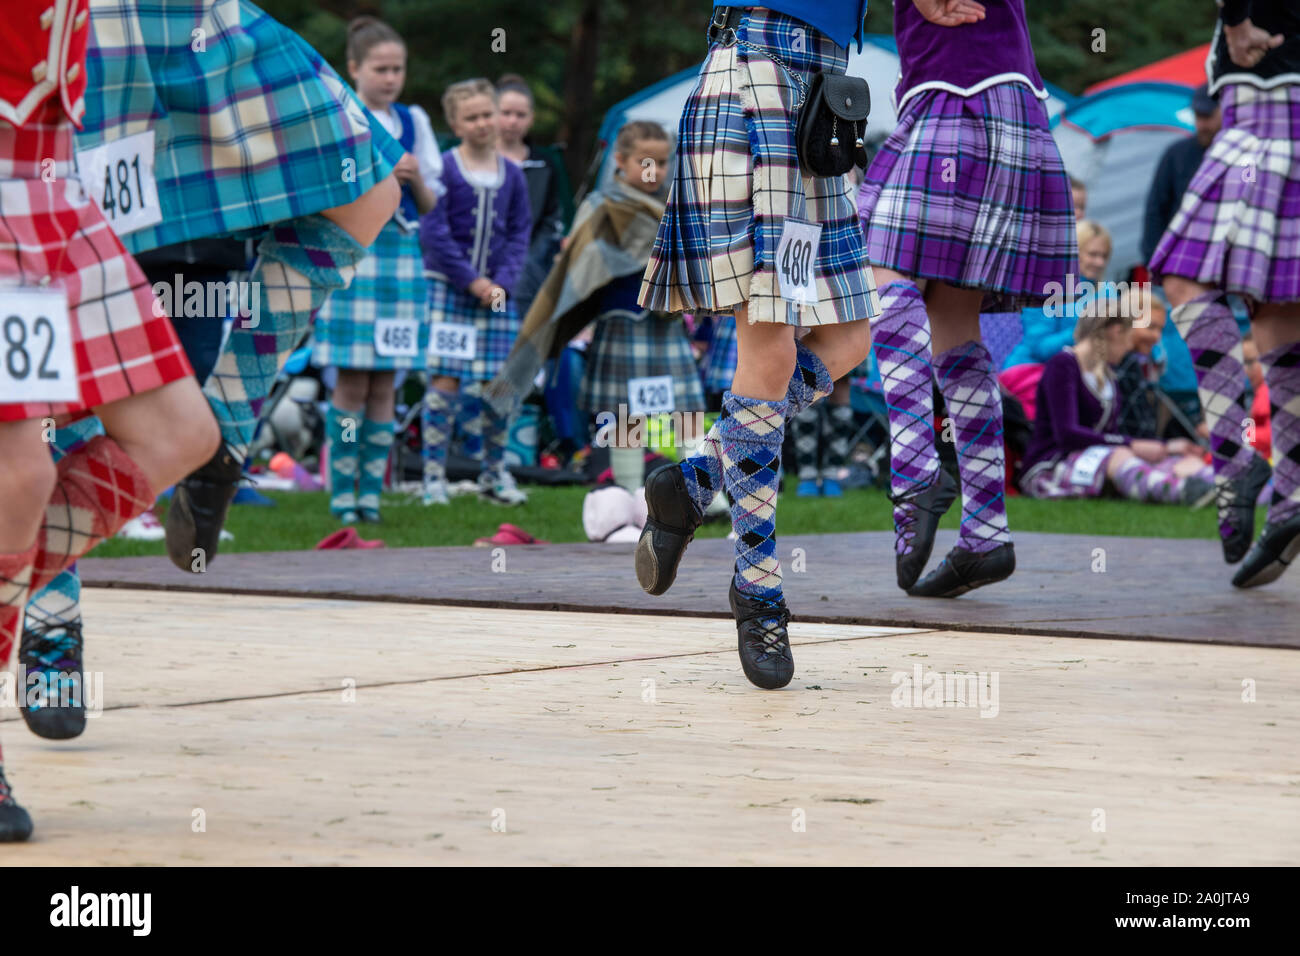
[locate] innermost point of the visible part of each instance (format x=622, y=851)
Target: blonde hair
x=633, y=132
x=464, y=90
x=1090, y=229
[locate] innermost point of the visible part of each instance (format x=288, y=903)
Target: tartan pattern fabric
x=1051, y=479
x=299, y=263
x=496, y=332
x=98, y=489
x=376, y=443
x=496, y=435
x=1214, y=341
x=629, y=345
x=51, y=233
x=60, y=600
x=970, y=190
x=389, y=284
x=719, y=365
x=838, y=428
x=15, y=578
x=469, y=420
x=1282, y=373
x=901, y=339
x=252, y=129
x=737, y=179
x=1238, y=227
x=750, y=437
x=970, y=389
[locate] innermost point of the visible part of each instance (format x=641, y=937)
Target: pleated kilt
x=496, y=331
x=628, y=345
x=53, y=235
x=1049, y=479
x=253, y=128
x=719, y=365
x=971, y=190
x=1238, y=228
x=389, y=284
x=736, y=179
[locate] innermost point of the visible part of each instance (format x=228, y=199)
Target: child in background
x=630, y=344
x=378, y=323
x=1138, y=371
x=475, y=242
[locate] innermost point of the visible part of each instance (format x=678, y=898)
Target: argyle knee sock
x=1142, y=481
x=838, y=428
x=469, y=420
x=342, y=432
x=702, y=470
x=299, y=263
x=60, y=600
x=1207, y=326
x=376, y=443
x=970, y=390
x=901, y=339
x=806, y=429
x=496, y=434
x=1282, y=373
x=15, y=579
x=435, y=433
x=750, y=436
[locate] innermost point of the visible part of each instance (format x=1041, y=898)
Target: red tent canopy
x=1186, y=69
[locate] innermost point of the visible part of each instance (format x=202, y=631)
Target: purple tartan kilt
x=1238, y=228
x=970, y=190
x=1057, y=479
x=496, y=332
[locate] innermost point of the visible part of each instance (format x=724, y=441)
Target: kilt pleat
x=971, y=190
x=389, y=284
x=627, y=345
x=496, y=331
x=1238, y=227
x=737, y=179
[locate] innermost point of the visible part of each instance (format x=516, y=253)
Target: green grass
x=300, y=520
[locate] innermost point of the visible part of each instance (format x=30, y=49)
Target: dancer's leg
x=1205, y=322
x=435, y=433
x=376, y=443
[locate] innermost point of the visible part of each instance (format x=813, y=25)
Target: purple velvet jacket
x=475, y=232
x=1070, y=417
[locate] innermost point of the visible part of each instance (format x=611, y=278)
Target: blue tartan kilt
x=629, y=345
x=252, y=129
x=389, y=284
x=495, y=331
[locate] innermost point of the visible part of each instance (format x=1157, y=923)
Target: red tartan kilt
x=51, y=232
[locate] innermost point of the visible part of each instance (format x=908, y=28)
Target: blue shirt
x=841, y=20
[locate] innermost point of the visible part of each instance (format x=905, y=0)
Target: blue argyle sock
x=435, y=432
x=376, y=443
x=810, y=383
x=496, y=434
x=469, y=420
x=342, y=431
x=750, y=437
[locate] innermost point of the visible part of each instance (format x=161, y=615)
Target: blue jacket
x=841, y=20
x=457, y=248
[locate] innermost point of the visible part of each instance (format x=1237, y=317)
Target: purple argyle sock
x=1207, y=326
x=970, y=390
x=901, y=338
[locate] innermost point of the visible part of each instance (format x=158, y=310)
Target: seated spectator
x=1076, y=450
x=1050, y=327
x=1137, y=374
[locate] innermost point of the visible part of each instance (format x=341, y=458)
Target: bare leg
x=26, y=482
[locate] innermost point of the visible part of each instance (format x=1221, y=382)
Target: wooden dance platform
x=1065, y=585
x=313, y=731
